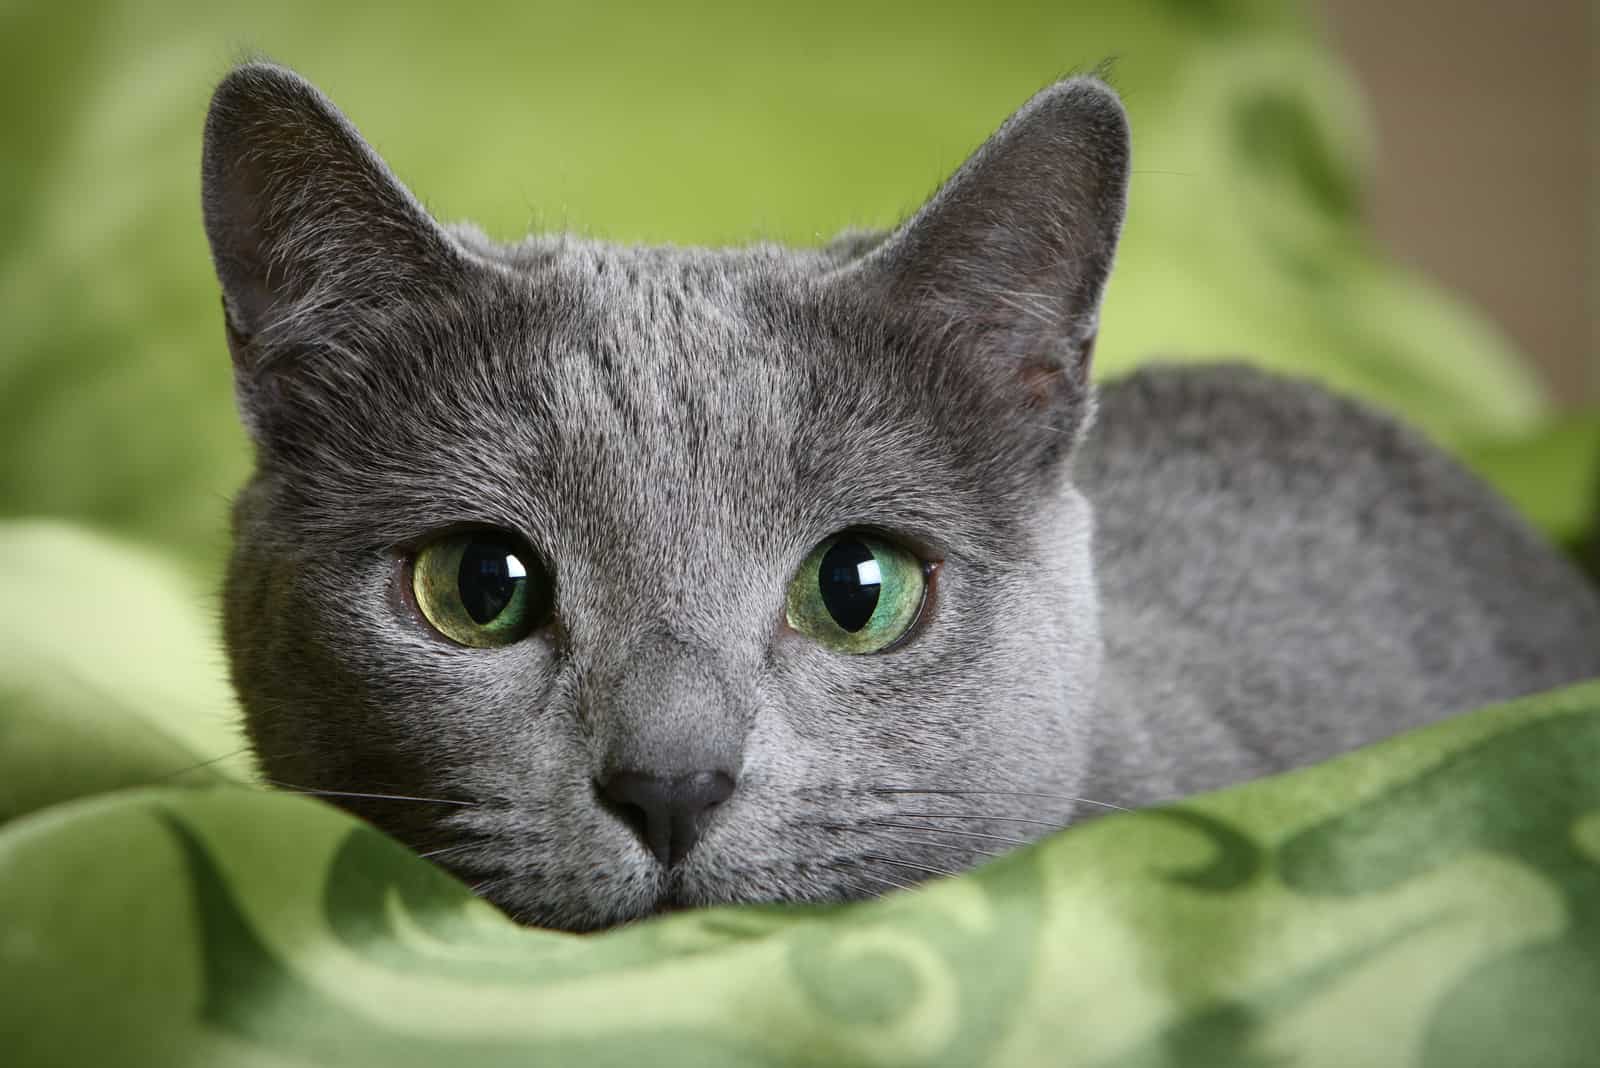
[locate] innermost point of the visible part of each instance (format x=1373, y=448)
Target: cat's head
x=676, y=576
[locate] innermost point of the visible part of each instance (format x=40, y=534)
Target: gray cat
x=627, y=579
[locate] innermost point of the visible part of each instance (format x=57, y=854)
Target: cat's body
x=668, y=440
x=1319, y=575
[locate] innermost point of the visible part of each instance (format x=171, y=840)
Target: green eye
x=857, y=593
x=481, y=588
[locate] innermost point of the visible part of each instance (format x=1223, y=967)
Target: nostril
x=629, y=813
x=708, y=789
x=667, y=813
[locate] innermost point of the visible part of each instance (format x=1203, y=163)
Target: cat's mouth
x=675, y=898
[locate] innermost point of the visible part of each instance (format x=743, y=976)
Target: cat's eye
x=857, y=593
x=481, y=588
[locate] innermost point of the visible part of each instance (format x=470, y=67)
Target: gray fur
x=1319, y=575
x=1283, y=575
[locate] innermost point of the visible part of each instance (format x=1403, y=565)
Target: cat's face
x=671, y=577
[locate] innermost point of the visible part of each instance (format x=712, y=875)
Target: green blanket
x=1428, y=901
x=1434, y=900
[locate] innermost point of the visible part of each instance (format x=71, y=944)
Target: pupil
x=488, y=579
x=850, y=581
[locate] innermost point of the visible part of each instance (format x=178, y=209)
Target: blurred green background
x=706, y=122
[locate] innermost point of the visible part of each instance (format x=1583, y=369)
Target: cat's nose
x=667, y=813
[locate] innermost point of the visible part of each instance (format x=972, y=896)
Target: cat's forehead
x=663, y=346
x=701, y=374
x=693, y=348
x=664, y=404
x=618, y=386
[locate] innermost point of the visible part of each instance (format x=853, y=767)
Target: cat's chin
x=597, y=914
x=673, y=896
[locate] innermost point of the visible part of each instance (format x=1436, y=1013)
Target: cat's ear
x=303, y=217
x=1007, y=262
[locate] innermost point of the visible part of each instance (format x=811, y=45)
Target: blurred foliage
x=703, y=122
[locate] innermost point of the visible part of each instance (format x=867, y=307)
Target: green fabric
x=1434, y=900
x=1428, y=901
x=110, y=672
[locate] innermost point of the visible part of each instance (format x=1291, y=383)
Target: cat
x=626, y=579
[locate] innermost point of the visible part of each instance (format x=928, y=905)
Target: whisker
x=421, y=840
x=292, y=788
x=873, y=824
x=953, y=831
x=908, y=864
x=974, y=850
x=201, y=764
x=974, y=816
x=895, y=883
x=482, y=886
x=862, y=891
x=1000, y=793
x=447, y=850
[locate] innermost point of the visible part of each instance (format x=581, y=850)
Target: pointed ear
x=1007, y=262
x=303, y=217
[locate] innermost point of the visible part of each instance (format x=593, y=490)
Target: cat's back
x=1286, y=574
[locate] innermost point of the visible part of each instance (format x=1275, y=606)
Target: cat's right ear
x=308, y=227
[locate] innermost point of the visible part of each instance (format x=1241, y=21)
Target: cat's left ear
x=1007, y=262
